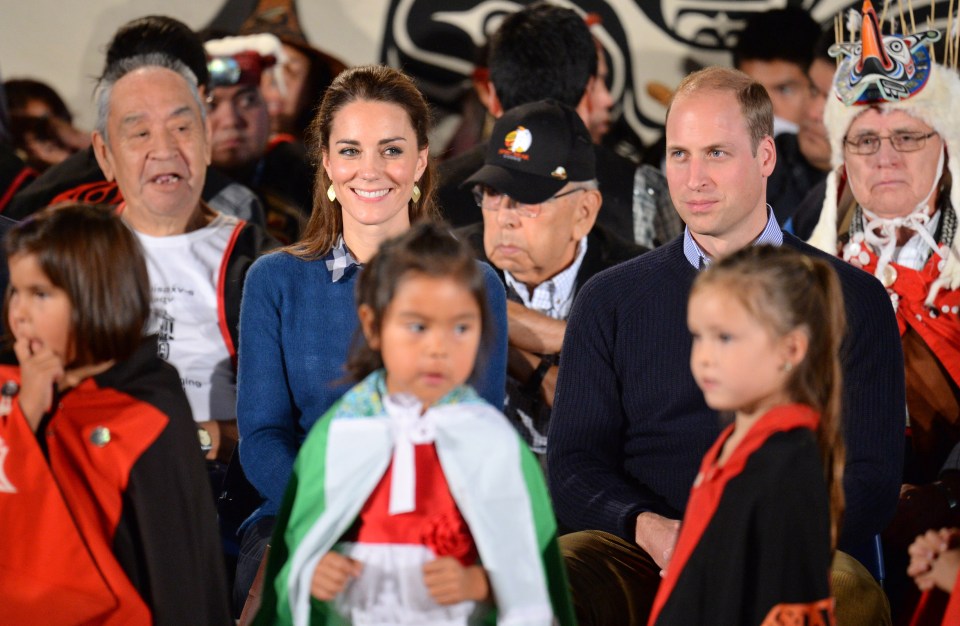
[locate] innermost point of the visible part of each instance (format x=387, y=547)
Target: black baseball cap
x=535, y=149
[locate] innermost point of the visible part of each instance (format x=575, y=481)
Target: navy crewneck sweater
x=630, y=426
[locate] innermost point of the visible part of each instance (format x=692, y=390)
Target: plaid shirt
x=342, y=260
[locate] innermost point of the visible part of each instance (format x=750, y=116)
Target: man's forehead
x=147, y=89
x=228, y=91
x=877, y=118
x=705, y=116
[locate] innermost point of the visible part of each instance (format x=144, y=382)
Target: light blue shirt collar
x=771, y=235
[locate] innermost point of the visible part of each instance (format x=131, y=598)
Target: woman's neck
x=364, y=241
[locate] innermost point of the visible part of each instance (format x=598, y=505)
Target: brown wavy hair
x=371, y=83
x=90, y=253
x=785, y=290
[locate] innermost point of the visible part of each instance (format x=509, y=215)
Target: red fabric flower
x=447, y=534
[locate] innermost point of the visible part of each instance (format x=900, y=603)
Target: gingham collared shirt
x=342, y=260
x=553, y=297
x=771, y=235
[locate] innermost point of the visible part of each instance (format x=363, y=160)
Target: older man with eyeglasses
x=539, y=198
x=891, y=209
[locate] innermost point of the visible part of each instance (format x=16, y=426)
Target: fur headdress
x=893, y=72
x=242, y=60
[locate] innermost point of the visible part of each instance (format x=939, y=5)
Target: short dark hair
x=542, y=51
x=787, y=34
x=20, y=91
x=821, y=49
x=159, y=33
x=90, y=253
x=112, y=75
x=428, y=249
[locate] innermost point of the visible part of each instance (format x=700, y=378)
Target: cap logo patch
x=517, y=143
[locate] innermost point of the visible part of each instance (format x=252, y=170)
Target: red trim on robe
x=952, y=614
x=812, y=614
x=98, y=192
x=73, y=506
x=708, y=487
x=278, y=139
x=18, y=181
x=221, y=293
x=940, y=333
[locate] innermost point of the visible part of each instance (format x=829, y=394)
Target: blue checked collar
x=771, y=235
x=341, y=260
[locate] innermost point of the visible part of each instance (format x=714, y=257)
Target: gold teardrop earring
x=416, y=194
x=331, y=193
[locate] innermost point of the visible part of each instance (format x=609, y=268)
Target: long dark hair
x=373, y=83
x=785, y=290
x=427, y=249
x=89, y=253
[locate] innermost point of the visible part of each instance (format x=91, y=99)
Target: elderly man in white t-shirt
x=153, y=138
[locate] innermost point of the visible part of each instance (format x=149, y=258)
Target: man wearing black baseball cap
x=539, y=198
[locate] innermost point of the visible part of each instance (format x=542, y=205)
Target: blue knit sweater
x=630, y=426
x=296, y=328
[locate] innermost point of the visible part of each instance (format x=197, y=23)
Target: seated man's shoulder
x=254, y=239
x=861, y=290
x=73, y=179
x=613, y=247
x=646, y=275
x=848, y=274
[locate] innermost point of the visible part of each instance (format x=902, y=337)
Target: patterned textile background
x=646, y=41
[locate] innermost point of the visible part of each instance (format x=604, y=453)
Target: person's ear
x=794, y=346
x=368, y=323
x=587, y=209
x=325, y=162
x=422, y=160
x=208, y=140
x=767, y=154
x=104, y=158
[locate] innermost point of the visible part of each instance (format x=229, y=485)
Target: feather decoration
x=854, y=20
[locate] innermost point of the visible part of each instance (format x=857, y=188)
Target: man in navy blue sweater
x=629, y=424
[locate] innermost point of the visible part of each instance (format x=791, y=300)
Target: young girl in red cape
x=756, y=542
x=105, y=506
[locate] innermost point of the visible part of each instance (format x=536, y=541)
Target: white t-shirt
x=184, y=270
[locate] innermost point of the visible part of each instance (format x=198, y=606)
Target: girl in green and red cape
x=412, y=500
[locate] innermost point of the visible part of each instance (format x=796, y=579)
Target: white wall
x=61, y=42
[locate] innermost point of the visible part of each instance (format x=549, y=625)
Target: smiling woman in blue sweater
x=298, y=316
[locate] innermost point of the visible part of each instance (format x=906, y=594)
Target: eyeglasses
x=901, y=142
x=489, y=199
